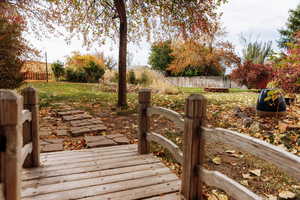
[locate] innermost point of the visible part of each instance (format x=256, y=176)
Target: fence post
x=144, y=121
x=195, y=111
x=31, y=134
x=11, y=141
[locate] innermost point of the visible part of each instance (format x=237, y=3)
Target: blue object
x=278, y=105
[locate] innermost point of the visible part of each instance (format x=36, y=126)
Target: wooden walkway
x=108, y=173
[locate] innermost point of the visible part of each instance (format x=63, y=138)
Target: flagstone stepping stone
x=85, y=122
x=45, y=131
x=52, y=147
x=77, y=131
x=53, y=141
x=98, y=141
x=72, y=112
x=62, y=132
x=121, y=140
x=76, y=117
x=114, y=136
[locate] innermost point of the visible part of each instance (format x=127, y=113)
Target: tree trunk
x=121, y=9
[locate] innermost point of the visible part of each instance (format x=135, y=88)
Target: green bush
x=76, y=75
x=93, y=72
x=58, y=70
x=89, y=74
x=131, y=77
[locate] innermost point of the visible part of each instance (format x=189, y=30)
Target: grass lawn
x=219, y=114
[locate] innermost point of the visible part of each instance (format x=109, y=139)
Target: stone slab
x=94, y=138
x=62, y=132
x=121, y=140
x=76, y=131
x=85, y=122
x=102, y=143
x=114, y=136
x=53, y=141
x=52, y=147
x=72, y=112
x=76, y=117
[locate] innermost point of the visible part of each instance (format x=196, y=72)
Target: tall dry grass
x=156, y=80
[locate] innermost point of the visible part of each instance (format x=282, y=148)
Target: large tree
x=96, y=20
x=292, y=27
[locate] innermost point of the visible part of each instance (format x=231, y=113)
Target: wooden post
x=144, y=121
x=11, y=129
x=195, y=108
x=31, y=134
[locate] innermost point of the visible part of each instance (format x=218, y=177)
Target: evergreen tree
x=292, y=26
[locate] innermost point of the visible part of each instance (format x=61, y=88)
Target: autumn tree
x=128, y=20
x=206, y=60
x=13, y=47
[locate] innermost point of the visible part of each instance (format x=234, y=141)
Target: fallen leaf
x=244, y=182
x=247, y=176
x=282, y=127
x=256, y=172
x=287, y=195
x=230, y=151
x=217, y=160
x=271, y=197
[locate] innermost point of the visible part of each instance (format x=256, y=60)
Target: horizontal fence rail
x=288, y=162
x=231, y=187
x=168, y=144
x=192, y=157
x=169, y=114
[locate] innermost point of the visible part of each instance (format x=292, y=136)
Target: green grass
x=65, y=92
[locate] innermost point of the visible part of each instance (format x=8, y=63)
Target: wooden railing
x=19, y=139
x=195, y=135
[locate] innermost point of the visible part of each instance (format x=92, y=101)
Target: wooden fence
x=195, y=135
x=19, y=141
x=36, y=76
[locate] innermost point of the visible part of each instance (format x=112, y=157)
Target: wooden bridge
x=119, y=172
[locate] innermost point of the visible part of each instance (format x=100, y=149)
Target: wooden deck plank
x=104, y=189
x=143, y=192
x=41, y=174
x=68, y=161
x=102, y=149
x=173, y=196
x=33, y=191
x=81, y=154
x=92, y=174
x=96, y=162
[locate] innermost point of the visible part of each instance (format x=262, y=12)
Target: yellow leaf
x=247, y=176
x=217, y=160
x=287, y=195
x=244, y=182
x=256, y=172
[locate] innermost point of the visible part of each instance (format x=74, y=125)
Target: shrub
x=76, y=75
x=58, y=70
x=252, y=75
x=93, y=72
x=131, y=77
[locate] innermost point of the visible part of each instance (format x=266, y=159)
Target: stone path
x=76, y=124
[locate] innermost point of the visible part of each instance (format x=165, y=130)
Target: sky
x=256, y=18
